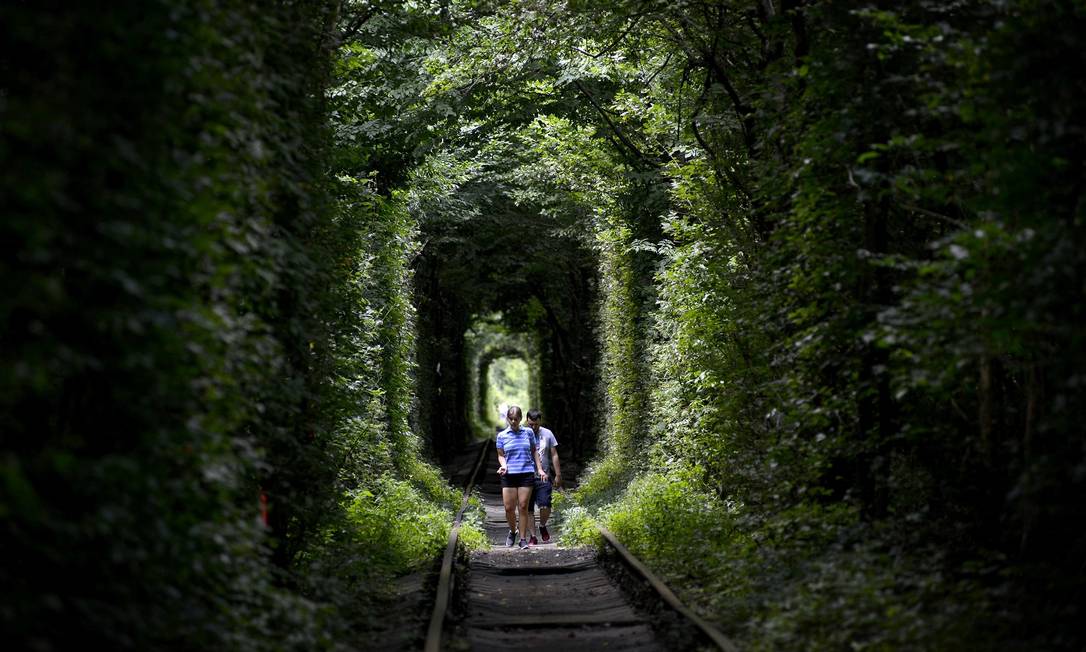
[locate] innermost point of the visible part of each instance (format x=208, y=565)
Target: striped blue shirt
x=517, y=447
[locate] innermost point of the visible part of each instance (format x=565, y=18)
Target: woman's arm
x=501, y=461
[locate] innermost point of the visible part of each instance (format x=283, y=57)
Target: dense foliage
x=865, y=324
x=804, y=276
x=838, y=267
x=207, y=338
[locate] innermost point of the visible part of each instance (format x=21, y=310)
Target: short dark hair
x=534, y=414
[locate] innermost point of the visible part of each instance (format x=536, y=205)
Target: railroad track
x=551, y=598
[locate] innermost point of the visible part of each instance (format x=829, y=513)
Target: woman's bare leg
x=523, y=494
x=509, y=501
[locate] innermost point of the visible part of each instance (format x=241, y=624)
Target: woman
x=518, y=466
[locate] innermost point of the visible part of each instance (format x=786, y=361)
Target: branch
x=679, y=101
x=667, y=60
x=939, y=216
x=636, y=19
x=356, y=25
x=707, y=58
x=758, y=32
x=614, y=128
x=799, y=27
x=735, y=181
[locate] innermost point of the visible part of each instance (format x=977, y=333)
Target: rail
x=444, y=582
x=667, y=595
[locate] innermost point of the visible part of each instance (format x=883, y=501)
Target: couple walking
x=527, y=458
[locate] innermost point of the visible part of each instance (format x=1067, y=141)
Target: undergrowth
x=811, y=578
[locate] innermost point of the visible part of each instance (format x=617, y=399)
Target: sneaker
x=523, y=544
x=510, y=539
x=532, y=541
x=543, y=534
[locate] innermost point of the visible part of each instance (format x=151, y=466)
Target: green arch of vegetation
x=807, y=275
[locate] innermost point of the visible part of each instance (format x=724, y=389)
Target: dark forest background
x=801, y=283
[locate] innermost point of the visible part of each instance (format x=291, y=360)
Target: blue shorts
x=541, y=495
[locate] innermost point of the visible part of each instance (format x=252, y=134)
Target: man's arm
x=556, y=465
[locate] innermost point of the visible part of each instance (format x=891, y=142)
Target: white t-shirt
x=546, y=443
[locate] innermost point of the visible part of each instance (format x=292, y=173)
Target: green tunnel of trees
x=801, y=284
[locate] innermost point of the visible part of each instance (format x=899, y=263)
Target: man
x=548, y=458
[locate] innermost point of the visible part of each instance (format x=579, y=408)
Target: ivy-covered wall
x=848, y=379
x=207, y=338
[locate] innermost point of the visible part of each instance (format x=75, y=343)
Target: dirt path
x=540, y=598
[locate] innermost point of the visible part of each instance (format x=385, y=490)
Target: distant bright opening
x=507, y=384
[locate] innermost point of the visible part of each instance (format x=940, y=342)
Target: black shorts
x=541, y=494
x=518, y=479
